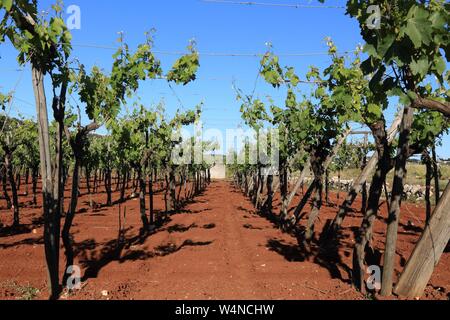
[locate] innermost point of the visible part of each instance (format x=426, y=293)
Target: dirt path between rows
x=218, y=247
x=237, y=264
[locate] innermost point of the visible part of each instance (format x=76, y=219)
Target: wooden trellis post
x=428, y=251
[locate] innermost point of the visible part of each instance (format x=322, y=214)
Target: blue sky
x=217, y=28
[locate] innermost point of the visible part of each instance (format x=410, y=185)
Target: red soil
x=217, y=248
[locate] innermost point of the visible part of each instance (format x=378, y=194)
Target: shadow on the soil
x=325, y=254
x=122, y=251
x=209, y=226
x=93, y=261
x=168, y=249
x=179, y=228
x=251, y=227
x=186, y=211
x=26, y=242
x=123, y=248
x=412, y=228
x=21, y=229
x=14, y=231
x=240, y=208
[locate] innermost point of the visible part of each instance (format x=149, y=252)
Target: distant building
x=219, y=172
